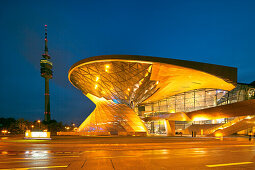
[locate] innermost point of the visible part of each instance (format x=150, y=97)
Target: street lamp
x=4, y=131
x=32, y=126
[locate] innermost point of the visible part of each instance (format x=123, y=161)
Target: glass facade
x=190, y=101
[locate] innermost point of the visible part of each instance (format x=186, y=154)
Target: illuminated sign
x=37, y=135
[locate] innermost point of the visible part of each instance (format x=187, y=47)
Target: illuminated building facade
x=135, y=95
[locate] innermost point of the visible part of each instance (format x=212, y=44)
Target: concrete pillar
x=170, y=127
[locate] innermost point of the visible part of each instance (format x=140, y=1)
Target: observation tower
x=46, y=73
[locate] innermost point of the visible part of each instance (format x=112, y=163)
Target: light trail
x=229, y=164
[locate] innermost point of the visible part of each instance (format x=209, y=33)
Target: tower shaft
x=47, y=101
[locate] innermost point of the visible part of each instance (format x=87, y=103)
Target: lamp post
x=38, y=121
x=32, y=126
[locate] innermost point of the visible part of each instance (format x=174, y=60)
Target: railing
x=226, y=125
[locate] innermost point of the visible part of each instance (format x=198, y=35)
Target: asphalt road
x=114, y=153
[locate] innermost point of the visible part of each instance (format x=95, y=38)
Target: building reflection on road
x=37, y=154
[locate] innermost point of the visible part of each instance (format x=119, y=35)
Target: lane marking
x=42, y=167
x=84, y=163
x=110, y=157
x=33, y=159
x=229, y=164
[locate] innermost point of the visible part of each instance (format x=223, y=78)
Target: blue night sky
x=218, y=32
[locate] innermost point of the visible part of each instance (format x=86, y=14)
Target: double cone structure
x=110, y=118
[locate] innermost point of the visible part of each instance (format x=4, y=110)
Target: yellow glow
x=172, y=111
x=149, y=69
x=141, y=81
x=146, y=74
x=218, y=135
x=128, y=89
x=157, y=82
x=38, y=121
x=96, y=86
x=97, y=78
x=4, y=153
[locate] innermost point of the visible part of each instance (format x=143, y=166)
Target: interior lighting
x=157, y=82
x=199, y=119
x=107, y=68
x=128, y=89
x=96, y=86
x=248, y=117
x=97, y=78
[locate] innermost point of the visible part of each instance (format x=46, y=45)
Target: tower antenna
x=46, y=41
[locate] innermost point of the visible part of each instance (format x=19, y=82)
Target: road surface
x=127, y=153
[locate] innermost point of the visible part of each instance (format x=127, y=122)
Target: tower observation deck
x=46, y=73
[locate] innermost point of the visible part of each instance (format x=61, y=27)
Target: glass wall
x=196, y=100
x=184, y=102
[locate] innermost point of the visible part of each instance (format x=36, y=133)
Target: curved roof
x=132, y=79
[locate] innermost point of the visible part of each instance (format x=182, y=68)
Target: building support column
x=170, y=127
